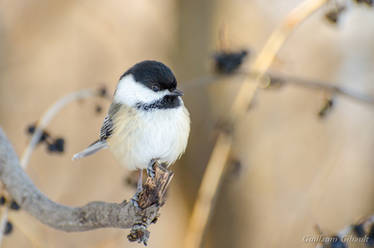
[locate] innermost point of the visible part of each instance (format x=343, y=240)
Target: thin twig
x=286, y=79
x=41, y=125
x=220, y=155
x=49, y=115
x=3, y=222
x=318, y=85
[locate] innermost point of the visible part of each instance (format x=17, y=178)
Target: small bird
x=147, y=120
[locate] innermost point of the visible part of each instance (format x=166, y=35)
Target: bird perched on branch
x=147, y=120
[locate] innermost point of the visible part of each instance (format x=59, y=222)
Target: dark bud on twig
x=333, y=15
x=51, y=147
x=228, y=62
x=358, y=230
x=31, y=129
x=60, y=144
x=8, y=228
x=236, y=167
x=326, y=108
x=43, y=137
x=103, y=91
x=2, y=200
x=370, y=236
x=98, y=109
x=57, y=146
x=367, y=2
x=14, y=206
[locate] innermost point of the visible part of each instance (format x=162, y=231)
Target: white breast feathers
x=140, y=136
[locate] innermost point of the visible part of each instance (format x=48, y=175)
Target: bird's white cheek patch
x=130, y=92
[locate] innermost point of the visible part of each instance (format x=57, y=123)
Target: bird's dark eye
x=155, y=87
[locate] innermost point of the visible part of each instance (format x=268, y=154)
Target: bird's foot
x=150, y=169
x=135, y=200
x=151, y=172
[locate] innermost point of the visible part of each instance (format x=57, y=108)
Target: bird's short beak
x=176, y=92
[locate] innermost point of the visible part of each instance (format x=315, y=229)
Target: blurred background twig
x=220, y=155
x=278, y=80
x=46, y=118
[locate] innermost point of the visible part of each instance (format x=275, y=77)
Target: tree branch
x=75, y=219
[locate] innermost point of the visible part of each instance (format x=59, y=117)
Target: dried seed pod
x=44, y=137
x=2, y=200
x=229, y=62
x=8, y=228
x=14, y=205
x=31, y=129
x=60, y=144
x=370, y=235
x=98, y=109
x=103, y=91
x=358, y=230
x=333, y=15
x=326, y=108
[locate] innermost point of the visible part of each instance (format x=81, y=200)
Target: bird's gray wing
x=105, y=133
x=108, y=124
x=94, y=147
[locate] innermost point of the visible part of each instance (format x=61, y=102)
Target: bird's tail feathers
x=91, y=149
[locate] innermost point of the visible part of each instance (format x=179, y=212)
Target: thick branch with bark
x=88, y=217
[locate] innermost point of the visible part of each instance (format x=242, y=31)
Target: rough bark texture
x=90, y=216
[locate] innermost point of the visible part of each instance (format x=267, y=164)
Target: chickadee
x=147, y=120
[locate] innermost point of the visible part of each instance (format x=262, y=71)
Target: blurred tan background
x=297, y=170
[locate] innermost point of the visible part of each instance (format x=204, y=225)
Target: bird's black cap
x=154, y=75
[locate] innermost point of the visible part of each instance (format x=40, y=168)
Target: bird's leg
x=150, y=169
x=139, y=189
